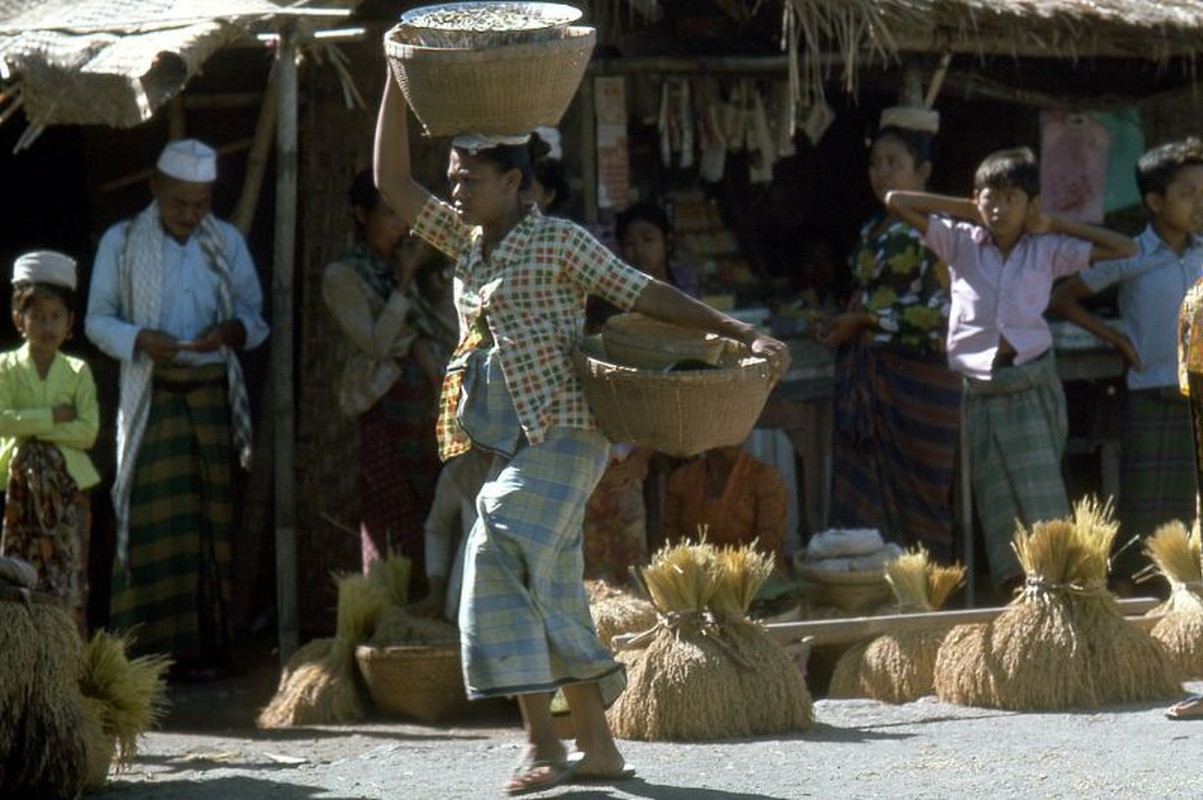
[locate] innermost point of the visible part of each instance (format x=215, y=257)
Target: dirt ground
x=208, y=749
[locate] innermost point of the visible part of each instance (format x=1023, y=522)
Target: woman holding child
x=511, y=391
x=897, y=404
x=391, y=380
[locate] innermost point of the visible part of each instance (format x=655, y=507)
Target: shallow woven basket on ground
x=43, y=750
x=1063, y=642
x=421, y=681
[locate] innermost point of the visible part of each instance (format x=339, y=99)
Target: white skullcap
x=473, y=143
x=45, y=266
x=189, y=160
x=911, y=119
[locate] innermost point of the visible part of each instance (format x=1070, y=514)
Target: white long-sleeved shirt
x=189, y=303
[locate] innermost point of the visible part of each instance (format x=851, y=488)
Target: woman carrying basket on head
x=511, y=395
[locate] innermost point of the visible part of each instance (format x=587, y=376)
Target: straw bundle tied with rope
x=616, y=612
x=320, y=684
x=1062, y=642
x=1176, y=556
x=123, y=698
x=775, y=695
x=706, y=676
x=900, y=667
x=43, y=751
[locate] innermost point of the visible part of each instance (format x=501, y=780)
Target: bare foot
x=597, y=765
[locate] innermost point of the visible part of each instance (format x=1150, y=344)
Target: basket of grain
x=634, y=340
x=485, y=24
x=507, y=89
x=681, y=413
x=420, y=681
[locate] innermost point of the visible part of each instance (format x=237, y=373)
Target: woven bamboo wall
x=335, y=143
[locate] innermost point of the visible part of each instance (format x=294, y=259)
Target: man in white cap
x=174, y=295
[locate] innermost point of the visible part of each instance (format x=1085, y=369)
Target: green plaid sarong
x=177, y=587
x=1017, y=428
x=1157, y=470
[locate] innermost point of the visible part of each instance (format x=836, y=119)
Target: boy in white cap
x=174, y=294
x=48, y=419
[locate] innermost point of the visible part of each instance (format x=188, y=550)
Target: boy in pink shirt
x=1003, y=254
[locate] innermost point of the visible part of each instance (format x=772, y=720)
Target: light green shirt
x=27, y=410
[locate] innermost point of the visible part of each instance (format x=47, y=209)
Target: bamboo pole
x=256, y=160
x=282, y=344
x=854, y=629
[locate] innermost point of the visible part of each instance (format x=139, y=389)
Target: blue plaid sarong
x=524, y=616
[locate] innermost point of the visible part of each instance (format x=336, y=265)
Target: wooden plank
x=853, y=629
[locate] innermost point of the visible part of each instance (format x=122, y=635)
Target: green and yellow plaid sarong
x=177, y=587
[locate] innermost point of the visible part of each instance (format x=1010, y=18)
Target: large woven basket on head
x=634, y=340
x=678, y=413
x=854, y=592
x=419, y=681
x=496, y=90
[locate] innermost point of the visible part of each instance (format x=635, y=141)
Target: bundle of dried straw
x=900, y=667
x=122, y=699
x=616, y=612
x=43, y=751
x=320, y=685
x=1175, y=554
x=705, y=672
x=1062, y=642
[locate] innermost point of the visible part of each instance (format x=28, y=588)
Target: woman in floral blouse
x=512, y=396
x=897, y=404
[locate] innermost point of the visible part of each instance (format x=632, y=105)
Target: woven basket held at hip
x=678, y=413
x=497, y=90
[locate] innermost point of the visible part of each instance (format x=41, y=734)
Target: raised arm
x=391, y=164
x=1107, y=243
x=913, y=207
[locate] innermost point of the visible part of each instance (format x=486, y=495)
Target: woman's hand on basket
x=775, y=350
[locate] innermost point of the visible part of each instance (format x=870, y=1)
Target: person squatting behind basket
x=729, y=497
x=1157, y=454
x=1003, y=254
x=897, y=404
x=521, y=283
x=48, y=419
x=174, y=294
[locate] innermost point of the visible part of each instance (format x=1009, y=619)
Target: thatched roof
x=113, y=62
x=877, y=31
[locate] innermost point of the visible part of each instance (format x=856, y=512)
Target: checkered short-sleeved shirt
x=531, y=292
